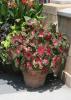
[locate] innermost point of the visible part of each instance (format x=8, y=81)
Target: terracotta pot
x=34, y=79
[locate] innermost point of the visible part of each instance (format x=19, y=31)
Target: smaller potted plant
x=13, y=15
x=36, y=51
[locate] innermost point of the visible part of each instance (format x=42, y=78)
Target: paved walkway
x=12, y=88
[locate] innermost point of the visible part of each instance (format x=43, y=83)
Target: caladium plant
x=28, y=44
x=37, y=48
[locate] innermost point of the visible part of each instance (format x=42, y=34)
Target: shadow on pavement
x=52, y=83
x=16, y=81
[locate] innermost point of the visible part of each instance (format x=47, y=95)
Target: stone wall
x=50, y=11
x=64, y=24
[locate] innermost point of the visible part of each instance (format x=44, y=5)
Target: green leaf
x=3, y=9
x=38, y=8
x=18, y=2
x=6, y=44
x=40, y=17
x=32, y=12
x=11, y=13
x=8, y=38
x=1, y=22
x=23, y=24
x=27, y=18
x=3, y=55
x=55, y=51
x=13, y=27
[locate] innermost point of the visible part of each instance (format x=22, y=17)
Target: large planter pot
x=34, y=79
